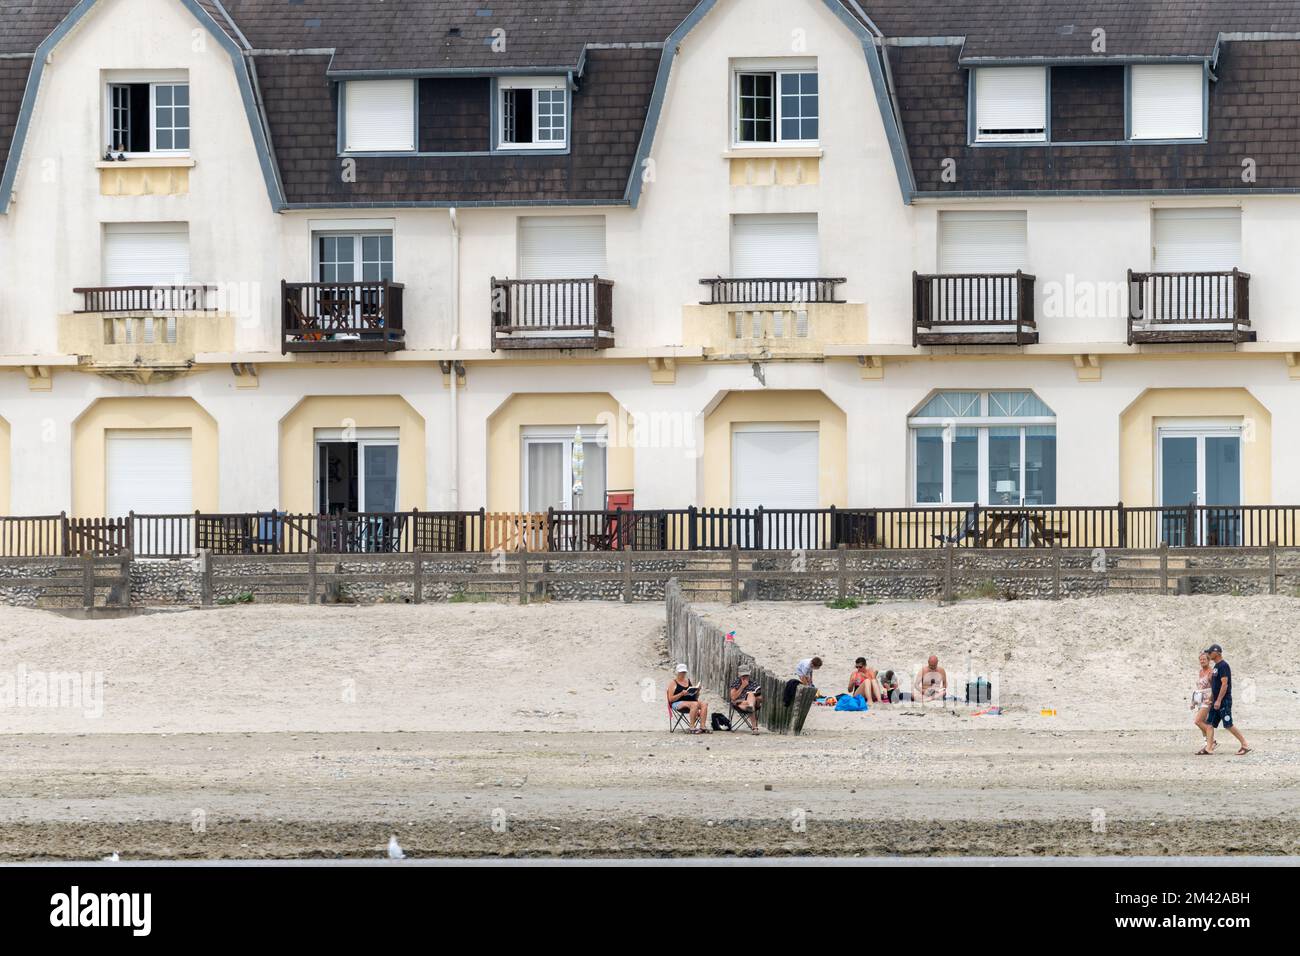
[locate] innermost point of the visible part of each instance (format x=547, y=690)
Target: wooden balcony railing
x=341, y=316
x=147, y=298
x=1189, y=307
x=976, y=309
x=770, y=291
x=552, y=313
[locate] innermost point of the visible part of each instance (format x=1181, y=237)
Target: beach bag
x=718, y=722
x=979, y=691
x=849, y=702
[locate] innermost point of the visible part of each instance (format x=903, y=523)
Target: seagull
x=394, y=850
x=112, y=858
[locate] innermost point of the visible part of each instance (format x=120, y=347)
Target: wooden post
x=311, y=576
x=124, y=597
x=841, y=562
x=1164, y=567
x=1272, y=567
x=205, y=573
x=523, y=577
x=88, y=579
x=63, y=533
x=1056, y=574
x=417, y=587
x=735, y=573
x=627, y=574
x=947, y=572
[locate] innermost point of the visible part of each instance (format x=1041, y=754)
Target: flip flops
x=1204, y=753
x=1243, y=751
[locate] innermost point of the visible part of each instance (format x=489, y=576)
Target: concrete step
x=1151, y=563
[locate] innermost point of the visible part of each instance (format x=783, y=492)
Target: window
x=356, y=471
x=1167, y=102
x=564, y=468
x=379, y=116
x=354, y=257
x=987, y=448
x=148, y=118
x=534, y=113
x=776, y=106
x=1010, y=104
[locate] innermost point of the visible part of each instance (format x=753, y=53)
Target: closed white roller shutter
x=1011, y=103
x=775, y=468
x=146, y=253
x=379, y=115
x=1197, y=240
x=1167, y=102
x=561, y=247
x=992, y=241
x=774, y=246
x=148, y=471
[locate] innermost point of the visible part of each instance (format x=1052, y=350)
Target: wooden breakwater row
x=713, y=661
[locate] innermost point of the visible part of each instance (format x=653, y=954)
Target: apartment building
x=327, y=256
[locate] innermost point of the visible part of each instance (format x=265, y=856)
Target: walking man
x=1221, y=702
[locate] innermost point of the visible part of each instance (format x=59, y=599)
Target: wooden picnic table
x=1013, y=527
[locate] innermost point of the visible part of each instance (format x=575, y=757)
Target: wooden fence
x=713, y=661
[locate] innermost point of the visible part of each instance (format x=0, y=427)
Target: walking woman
x=1201, y=701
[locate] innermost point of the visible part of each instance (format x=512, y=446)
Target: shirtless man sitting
x=932, y=681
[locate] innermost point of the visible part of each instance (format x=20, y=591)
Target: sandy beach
x=481, y=729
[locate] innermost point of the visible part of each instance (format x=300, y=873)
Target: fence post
x=947, y=572
x=88, y=579
x=841, y=561
x=758, y=528
x=1123, y=525
x=63, y=533
x=417, y=586
x=834, y=529
x=311, y=576
x=523, y=577
x=627, y=575
x=1164, y=568
x=691, y=532
x=1272, y=567
x=735, y=573
x=1056, y=574
x=205, y=576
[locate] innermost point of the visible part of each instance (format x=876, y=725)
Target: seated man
x=889, y=688
x=932, y=681
x=685, y=697
x=746, y=695
x=863, y=682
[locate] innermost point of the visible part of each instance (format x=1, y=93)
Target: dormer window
x=1010, y=104
x=379, y=116
x=1167, y=102
x=776, y=102
x=532, y=113
x=148, y=116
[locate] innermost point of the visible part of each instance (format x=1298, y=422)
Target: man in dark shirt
x=1221, y=701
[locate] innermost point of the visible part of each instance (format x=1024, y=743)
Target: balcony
x=993, y=309
x=145, y=333
x=1176, y=307
x=341, y=317
x=772, y=318
x=552, y=313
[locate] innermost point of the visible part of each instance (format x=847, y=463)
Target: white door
x=1201, y=466
x=776, y=467
x=981, y=242
x=557, y=248
x=148, y=471
x=1195, y=241
x=774, y=247
x=146, y=253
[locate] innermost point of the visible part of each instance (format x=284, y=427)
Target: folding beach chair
x=738, y=716
x=676, y=718
x=965, y=531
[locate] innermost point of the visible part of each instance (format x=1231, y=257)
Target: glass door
x=1200, y=468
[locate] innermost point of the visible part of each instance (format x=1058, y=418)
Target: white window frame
x=981, y=423
x=537, y=84
x=775, y=69
x=1031, y=137
x=1202, y=80
x=562, y=434
x=362, y=438
x=357, y=235
x=153, y=81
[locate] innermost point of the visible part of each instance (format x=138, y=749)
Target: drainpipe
x=454, y=464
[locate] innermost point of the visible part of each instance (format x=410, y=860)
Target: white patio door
x=1200, y=466
x=550, y=478
x=775, y=467
x=980, y=242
